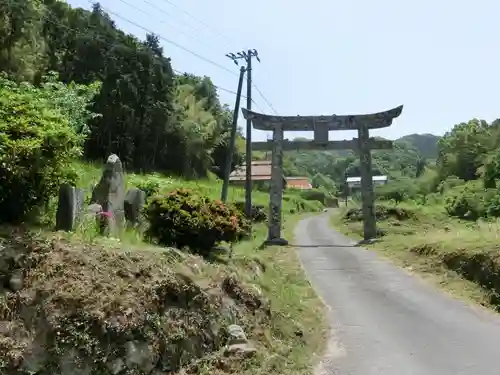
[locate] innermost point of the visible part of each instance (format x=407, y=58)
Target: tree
x=461, y=151
x=321, y=181
x=420, y=167
x=21, y=52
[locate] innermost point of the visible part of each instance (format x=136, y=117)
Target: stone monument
x=110, y=194
x=69, y=207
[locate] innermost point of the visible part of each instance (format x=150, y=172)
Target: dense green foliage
x=425, y=144
x=37, y=145
x=464, y=178
x=184, y=218
x=259, y=212
x=316, y=195
x=329, y=169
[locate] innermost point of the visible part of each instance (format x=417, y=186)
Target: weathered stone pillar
x=69, y=207
x=276, y=190
x=369, y=222
x=110, y=194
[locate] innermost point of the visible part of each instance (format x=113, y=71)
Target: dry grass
x=83, y=303
x=461, y=257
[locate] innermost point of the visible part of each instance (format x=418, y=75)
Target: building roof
x=358, y=179
x=261, y=171
x=298, y=182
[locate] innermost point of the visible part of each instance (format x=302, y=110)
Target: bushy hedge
x=314, y=195
x=295, y=204
x=37, y=145
x=398, y=190
x=183, y=218
x=149, y=187
x=472, y=201
x=259, y=213
x=382, y=212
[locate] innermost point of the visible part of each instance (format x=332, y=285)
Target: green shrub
x=450, y=183
x=259, y=213
x=183, y=218
x=37, y=145
x=493, y=205
x=311, y=206
x=332, y=202
x=314, y=195
x=320, y=181
x=397, y=191
x=295, y=204
x=150, y=187
x=470, y=201
x=382, y=212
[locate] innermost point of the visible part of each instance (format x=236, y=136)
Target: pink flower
x=106, y=214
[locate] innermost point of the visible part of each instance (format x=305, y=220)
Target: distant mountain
x=425, y=144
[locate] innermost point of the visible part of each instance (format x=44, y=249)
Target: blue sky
x=440, y=59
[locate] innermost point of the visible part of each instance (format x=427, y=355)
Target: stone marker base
x=276, y=242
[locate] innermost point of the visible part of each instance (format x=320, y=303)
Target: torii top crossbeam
x=332, y=122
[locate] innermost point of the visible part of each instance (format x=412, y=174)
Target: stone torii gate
x=321, y=125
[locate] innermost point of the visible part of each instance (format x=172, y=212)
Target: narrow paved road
x=387, y=322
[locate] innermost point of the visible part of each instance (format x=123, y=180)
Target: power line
x=265, y=99
x=121, y=45
x=152, y=5
x=199, y=21
x=218, y=87
x=189, y=51
x=247, y=55
x=224, y=35
x=176, y=71
x=159, y=9
x=168, y=41
x=226, y=90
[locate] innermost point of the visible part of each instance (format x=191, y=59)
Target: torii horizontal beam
x=374, y=144
x=332, y=122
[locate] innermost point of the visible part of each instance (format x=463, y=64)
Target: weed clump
x=382, y=212
x=259, y=213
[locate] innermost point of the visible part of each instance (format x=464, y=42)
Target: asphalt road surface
x=385, y=321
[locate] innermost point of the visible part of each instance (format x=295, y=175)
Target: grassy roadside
x=162, y=300
x=298, y=329
x=462, y=258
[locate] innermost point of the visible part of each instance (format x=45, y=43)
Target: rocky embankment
x=73, y=308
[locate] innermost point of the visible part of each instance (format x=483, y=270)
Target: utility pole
x=230, y=152
x=248, y=180
x=346, y=188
